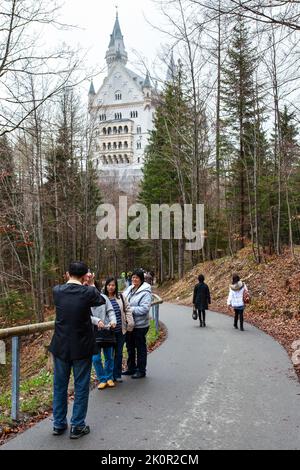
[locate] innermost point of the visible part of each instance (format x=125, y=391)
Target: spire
x=172, y=69
x=116, y=49
x=92, y=89
x=147, y=83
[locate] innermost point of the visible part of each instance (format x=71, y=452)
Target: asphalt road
x=213, y=388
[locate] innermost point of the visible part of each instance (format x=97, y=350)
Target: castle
x=121, y=115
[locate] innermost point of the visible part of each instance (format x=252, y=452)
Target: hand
x=90, y=279
x=101, y=325
x=113, y=326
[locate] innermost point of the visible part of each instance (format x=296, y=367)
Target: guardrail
x=27, y=330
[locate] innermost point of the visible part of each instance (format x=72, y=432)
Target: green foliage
x=16, y=305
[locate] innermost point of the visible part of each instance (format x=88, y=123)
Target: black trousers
x=137, y=350
x=202, y=314
x=239, y=314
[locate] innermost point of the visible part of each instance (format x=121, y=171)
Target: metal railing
x=27, y=330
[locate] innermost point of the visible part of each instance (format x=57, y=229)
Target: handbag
x=106, y=338
x=246, y=297
x=195, y=314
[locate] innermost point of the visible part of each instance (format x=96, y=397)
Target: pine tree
x=241, y=105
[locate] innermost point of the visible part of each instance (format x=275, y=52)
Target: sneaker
x=102, y=386
x=111, y=384
x=76, y=433
x=59, y=431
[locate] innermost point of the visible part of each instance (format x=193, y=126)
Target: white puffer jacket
x=236, y=295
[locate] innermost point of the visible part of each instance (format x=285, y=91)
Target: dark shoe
x=204, y=325
x=59, y=432
x=138, y=375
x=76, y=433
x=201, y=325
x=128, y=372
x=235, y=326
x=242, y=329
x=119, y=380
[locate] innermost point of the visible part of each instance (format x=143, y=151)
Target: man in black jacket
x=73, y=346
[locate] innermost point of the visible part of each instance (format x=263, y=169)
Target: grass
x=35, y=396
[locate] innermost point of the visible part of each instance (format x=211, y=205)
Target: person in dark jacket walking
x=201, y=299
x=73, y=346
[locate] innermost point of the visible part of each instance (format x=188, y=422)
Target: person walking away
x=72, y=347
x=201, y=299
x=105, y=317
x=236, y=301
x=139, y=296
x=125, y=322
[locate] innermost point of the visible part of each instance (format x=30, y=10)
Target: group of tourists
x=91, y=329
x=237, y=300
x=92, y=325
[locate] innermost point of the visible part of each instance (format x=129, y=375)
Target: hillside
x=274, y=287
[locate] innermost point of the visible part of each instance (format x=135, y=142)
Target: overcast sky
x=96, y=18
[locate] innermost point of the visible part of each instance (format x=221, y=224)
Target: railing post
x=156, y=307
x=15, y=398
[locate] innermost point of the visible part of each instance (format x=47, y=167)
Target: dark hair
x=78, y=269
x=107, y=282
x=201, y=278
x=235, y=279
x=139, y=273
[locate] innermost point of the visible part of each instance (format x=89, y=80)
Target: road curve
x=213, y=388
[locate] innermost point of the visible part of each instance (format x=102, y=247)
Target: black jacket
x=201, y=296
x=74, y=337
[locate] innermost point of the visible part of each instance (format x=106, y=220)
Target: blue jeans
x=82, y=377
x=104, y=373
x=119, y=355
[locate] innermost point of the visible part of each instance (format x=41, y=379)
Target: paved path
x=213, y=388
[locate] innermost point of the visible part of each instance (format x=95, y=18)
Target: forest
x=226, y=135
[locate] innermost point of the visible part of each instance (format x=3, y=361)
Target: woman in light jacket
x=236, y=300
x=139, y=296
x=104, y=318
x=125, y=322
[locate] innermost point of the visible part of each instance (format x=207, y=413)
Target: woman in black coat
x=201, y=299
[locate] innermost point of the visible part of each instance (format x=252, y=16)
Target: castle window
x=126, y=145
x=118, y=116
x=104, y=146
x=139, y=145
x=102, y=117
x=115, y=145
x=134, y=114
x=115, y=130
x=139, y=130
x=118, y=96
x=120, y=130
x=120, y=145
x=104, y=131
x=126, y=158
x=109, y=146
x=109, y=131
x=126, y=129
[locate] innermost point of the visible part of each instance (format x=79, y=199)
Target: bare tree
x=22, y=55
